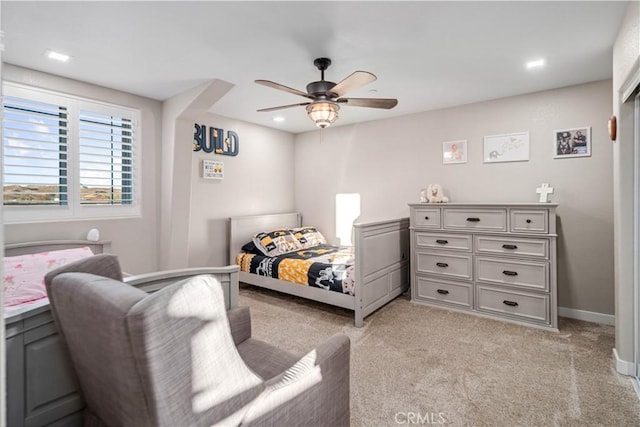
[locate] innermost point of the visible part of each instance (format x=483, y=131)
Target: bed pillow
x=23, y=279
x=250, y=248
x=276, y=242
x=308, y=237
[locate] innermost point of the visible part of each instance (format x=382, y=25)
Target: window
x=35, y=153
x=67, y=158
x=347, y=212
x=106, y=154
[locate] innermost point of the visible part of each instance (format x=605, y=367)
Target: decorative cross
x=544, y=192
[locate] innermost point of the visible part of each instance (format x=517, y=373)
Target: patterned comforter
x=325, y=266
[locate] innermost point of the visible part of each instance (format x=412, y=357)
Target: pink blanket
x=24, y=274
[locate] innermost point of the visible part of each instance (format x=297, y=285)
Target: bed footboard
x=382, y=259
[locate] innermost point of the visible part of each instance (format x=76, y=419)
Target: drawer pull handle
x=442, y=242
x=510, y=246
x=442, y=264
x=443, y=291
x=510, y=303
x=473, y=219
x=510, y=273
x=528, y=221
x=426, y=217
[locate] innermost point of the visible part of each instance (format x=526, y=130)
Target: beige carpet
x=419, y=365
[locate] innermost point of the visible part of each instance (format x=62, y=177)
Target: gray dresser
x=497, y=260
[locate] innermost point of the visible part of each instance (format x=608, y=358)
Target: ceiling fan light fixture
x=323, y=113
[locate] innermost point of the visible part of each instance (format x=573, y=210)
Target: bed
x=40, y=385
x=381, y=254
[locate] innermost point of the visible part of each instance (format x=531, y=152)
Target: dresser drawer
x=425, y=217
x=538, y=248
x=529, y=221
x=531, y=275
x=438, y=291
x=460, y=242
x=526, y=306
x=453, y=265
x=476, y=219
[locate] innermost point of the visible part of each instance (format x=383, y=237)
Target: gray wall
x=626, y=54
x=258, y=180
x=134, y=240
x=389, y=161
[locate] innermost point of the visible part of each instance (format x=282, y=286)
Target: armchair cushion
x=313, y=392
x=265, y=359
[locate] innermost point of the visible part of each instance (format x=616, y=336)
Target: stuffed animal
x=433, y=194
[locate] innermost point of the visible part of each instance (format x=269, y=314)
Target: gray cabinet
x=40, y=385
x=496, y=260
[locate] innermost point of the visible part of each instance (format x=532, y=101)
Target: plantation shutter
x=35, y=153
x=106, y=159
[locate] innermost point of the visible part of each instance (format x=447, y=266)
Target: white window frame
x=74, y=211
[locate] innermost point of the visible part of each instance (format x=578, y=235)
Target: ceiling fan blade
x=386, y=103
x=278, y=86
x=262, y=110
x=352, y=82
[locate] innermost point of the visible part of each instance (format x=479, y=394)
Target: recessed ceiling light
x=278, y=119
x=52, y=54
x=535, y=64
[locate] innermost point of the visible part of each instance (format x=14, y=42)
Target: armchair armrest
x=240, y=322
x=314, y=391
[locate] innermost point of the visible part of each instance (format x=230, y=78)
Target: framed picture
x=511, y=147
x=568, y=143
x=212, y=169
x=454, y=152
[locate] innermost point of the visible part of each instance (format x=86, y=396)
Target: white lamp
x=323, y=113
x=93, y=235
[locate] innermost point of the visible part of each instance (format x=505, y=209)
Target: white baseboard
x=622, y=366
x=589, y=316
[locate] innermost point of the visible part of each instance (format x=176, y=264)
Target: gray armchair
x=178, y=358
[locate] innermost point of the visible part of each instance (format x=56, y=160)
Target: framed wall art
x=568, y=143
x=212, y=169
x=511, y=147
x=454, y=152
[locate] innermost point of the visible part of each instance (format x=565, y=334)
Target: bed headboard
x=15, y=249
x=243, y=228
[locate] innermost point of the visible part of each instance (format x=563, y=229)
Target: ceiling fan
x=326, y=96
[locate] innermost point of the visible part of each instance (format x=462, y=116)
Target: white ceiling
x=429, y=55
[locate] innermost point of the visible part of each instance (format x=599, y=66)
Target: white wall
x=178, y=115
x=258, y=180
x=133, y=240
x=389, y=161
x=626, y=55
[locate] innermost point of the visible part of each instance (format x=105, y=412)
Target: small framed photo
x=454, y=152
x=568, y=143
x=212, y=169
x=511, y=147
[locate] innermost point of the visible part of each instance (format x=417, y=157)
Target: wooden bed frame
x=381, y=261
x=40, y=383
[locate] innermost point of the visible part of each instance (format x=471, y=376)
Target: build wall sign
x=214, y=140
